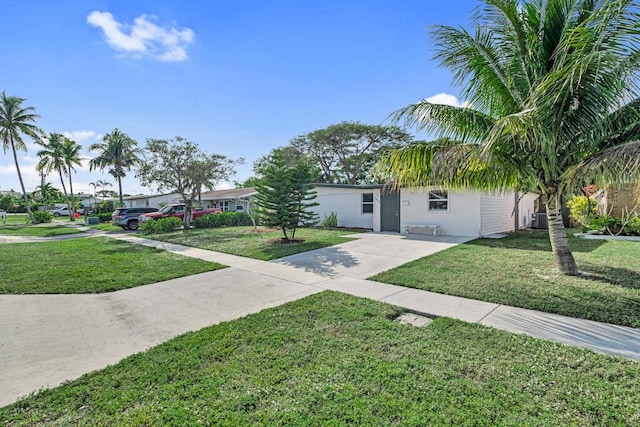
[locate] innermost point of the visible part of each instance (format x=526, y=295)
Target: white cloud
x=446, y=99
x=143, y=38
x=81, y=135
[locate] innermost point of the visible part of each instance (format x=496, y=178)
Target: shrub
x=42, y=216
x=582, y=211
x=104, y=217
x=165, y=225
x=149, y=227
x=223, y=219
x=331, y=220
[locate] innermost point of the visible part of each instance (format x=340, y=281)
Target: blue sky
x=237, y=77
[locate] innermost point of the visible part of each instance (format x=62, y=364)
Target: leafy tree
x=285, y=198
x=287, y=155
x=346, y=152
x=553, y=101
x=180, y=166
x=16, y=120
x=118, y=153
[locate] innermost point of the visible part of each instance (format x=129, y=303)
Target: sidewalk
x=48, y=339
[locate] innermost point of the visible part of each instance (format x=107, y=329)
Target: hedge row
x=224, y=219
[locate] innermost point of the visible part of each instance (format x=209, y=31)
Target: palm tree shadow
x=323, y=261
x=537, y=240
x=622, y=277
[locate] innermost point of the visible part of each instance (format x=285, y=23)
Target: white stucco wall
x=347, y=203
x=460, y=219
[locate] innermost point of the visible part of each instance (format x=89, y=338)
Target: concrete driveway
x=369, y=254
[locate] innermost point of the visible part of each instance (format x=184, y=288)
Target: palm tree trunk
x=72, y=207
x=24, y=191
x=558, y=235
x=120, y=192
x=64, y=189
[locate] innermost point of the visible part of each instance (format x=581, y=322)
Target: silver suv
x=127, y=218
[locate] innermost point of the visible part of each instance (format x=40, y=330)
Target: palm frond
x=446, y=121
x=615, y=165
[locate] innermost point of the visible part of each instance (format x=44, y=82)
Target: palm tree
x=119, y=153
x=95, y=186
x=70, y=151
x=553, y=102
x=47, y=193
x=102, y=184
x=52, y=160
x=14, y=121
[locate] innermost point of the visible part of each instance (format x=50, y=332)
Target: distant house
x=151, y=201
x=424, y=210
x=619, y=201
x=234, y=200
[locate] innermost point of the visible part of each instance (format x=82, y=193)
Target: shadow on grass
x=615, y=276
x=321, y=262
x=536, y=240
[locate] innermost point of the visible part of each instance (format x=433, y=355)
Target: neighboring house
x=455, y=213
x=620, y=201
x=150, y=201
x=234, y=200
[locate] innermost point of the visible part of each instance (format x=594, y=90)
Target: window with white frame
x=367, y=202
x=438, y=200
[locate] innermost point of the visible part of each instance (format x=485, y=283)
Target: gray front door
x=390, y=212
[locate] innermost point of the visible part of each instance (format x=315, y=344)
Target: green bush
x=223, y=219
x=104, y=217
x=106, y=207
x=580, y=212
x=149, y=227
x=163, y=225
x=331, y=220
x=42, y=216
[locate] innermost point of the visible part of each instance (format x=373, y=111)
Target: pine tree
x=285, y=198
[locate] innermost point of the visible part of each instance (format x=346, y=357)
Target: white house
x=151, y=201
x=424, y=210
x=234, y=199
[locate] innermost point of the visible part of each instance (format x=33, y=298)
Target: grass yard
x=332, y=359
x=16, y=219
x=519, y=270
x=89, y=265
x=104, y=226
x=244, y=241
x=38, y=230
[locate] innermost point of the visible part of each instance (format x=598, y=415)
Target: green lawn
x=16, y=219
x=104, y=226
x=244, y=241
x=333, y=359
x=89, y=265
x=519, y=270
x=39, y=230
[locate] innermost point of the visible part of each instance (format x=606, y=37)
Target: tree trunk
x=72, y=207
x=24, y=191
x=64, y=189
x=188, y=208
x=558, y=235
x=120, y=192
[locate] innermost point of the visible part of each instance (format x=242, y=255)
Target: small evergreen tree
x=285, y=198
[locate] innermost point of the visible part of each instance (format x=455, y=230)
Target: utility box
x=92, y=220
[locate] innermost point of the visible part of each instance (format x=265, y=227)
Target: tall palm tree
x=47, y=193
x=102, y=184
x=16, y=120
x=71, y=155
x=52, y=160
x=95, y=186
x=553, y=102
x=117, y=152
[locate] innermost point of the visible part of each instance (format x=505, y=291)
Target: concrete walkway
x=48, y=339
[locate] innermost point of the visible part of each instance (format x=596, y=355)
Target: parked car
x=65, y=211
x=127, y=218
x=177, y=211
